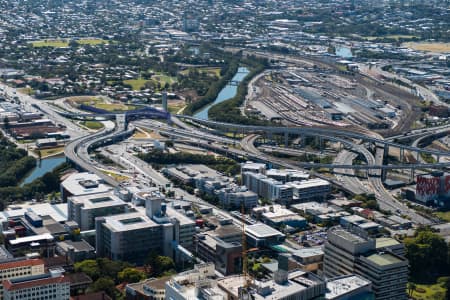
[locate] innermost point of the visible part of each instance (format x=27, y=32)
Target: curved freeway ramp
x=77, y=151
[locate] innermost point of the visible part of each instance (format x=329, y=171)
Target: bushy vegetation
x=37, y=189
x=428, y=255
x=14, y=163
x=159, y=158
x=214, y=89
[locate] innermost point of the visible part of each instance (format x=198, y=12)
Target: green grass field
x=65, y=43
x=51, y=151
x=136, y=84
x=50, y=43
x=211, y=71
x=91, y=41
x=431, y=292
x=94, y=125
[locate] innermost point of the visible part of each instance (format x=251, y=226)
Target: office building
x=226, y=256
x=253, y=167
x=286, y=175
x=309, y=190
x=347, y=253
x=19, y=267
x=129, y=237
x=39, y=287
x=433, y=188
x=268, y=188
x=84, y=209
x=233, y=197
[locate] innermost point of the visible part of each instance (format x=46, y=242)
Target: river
x=228, y=92
x=46, y=165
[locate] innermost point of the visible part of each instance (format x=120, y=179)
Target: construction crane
x=244, y=292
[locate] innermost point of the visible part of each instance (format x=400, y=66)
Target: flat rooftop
x=32, y=238
x=342, y=286
x=383, y=259
x=386, y=242
x=348, y=236
x=57, y=212
x=128, y=222
x=296, y=283
x=261, y=230
x=310, y=183
x=84, y=183
x=98, y=200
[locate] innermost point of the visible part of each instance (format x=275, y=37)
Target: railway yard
x=323, y=94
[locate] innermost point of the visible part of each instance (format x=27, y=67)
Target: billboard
x=428, y=187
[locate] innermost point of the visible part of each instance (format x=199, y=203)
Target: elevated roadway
x=309, y=131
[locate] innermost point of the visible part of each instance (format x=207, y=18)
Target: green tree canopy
x=131, y=275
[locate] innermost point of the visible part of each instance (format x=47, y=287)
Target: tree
x=131, y=275
x=428, y=255
x=90, y=267
x=159, y=264
x=103, y=284
x=411, y=288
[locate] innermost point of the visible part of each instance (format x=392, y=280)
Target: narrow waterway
x=228, y=92
x=46, y=165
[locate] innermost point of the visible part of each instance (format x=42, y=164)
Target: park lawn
x=163, y=79
x=51, y=43
x=136, y=84
x=51, y=151
x=65, y=43
x=431, y=292
x=212, y=71
x=443, y=215
x=92, y=41
x=174, y=108
x=114, y=106
x=27, y=90
x=430, y=47
x=94, y=125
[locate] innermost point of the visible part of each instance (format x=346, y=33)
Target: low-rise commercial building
x=47, y=286
x=262, y=235
x=195, y=284
x=312, y=189
x=277, y=215
x=19, y=267
x=267, y=188
x=233, y=197
x=149, y=289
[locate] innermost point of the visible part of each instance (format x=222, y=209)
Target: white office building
x=84, y=209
